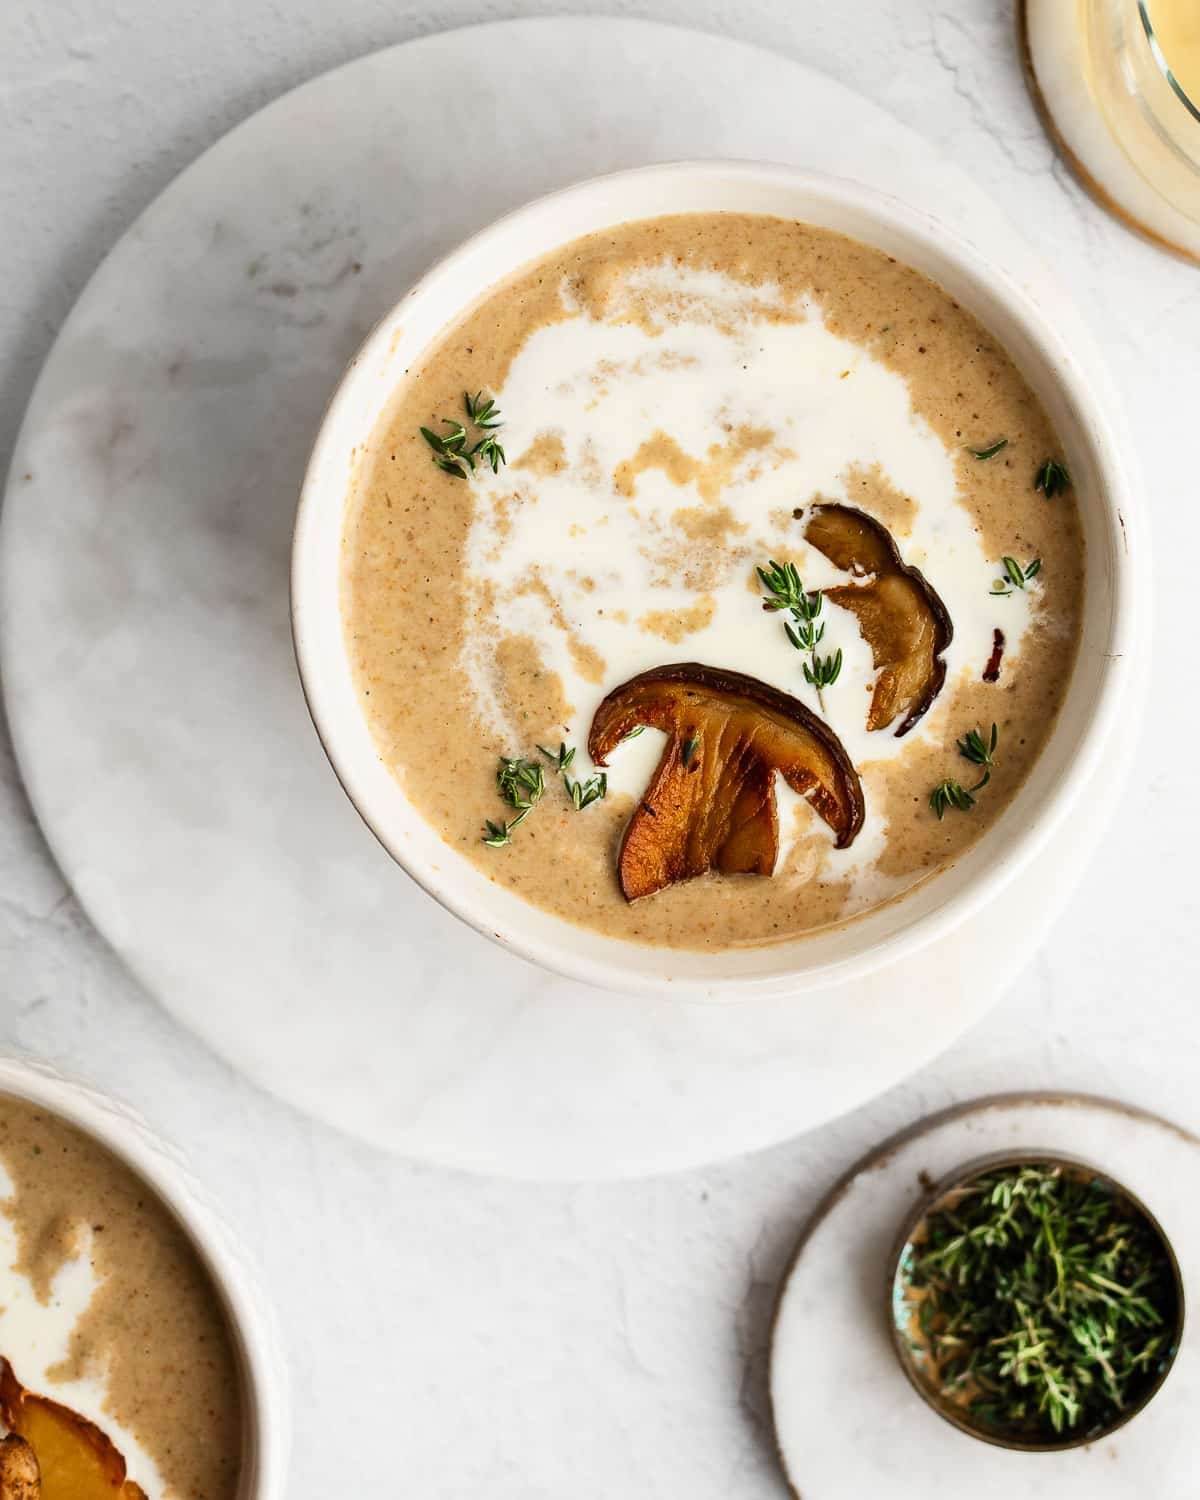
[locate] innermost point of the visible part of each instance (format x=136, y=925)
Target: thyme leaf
x=950, y=793
x=1015, y=576
x=481, y=412
x=990, y=451
x=976, y=749
x=520, y=782
x=584, y=793
x=499, y=834
x=1052, y=478
x=488, y=451
x=561, y=758
x=825, y=670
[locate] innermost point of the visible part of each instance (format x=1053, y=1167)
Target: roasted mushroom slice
x=77, y=1461
x=711, y=804
x=20, y=1477
x=905, y=623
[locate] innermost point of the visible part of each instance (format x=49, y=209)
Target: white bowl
x=1103, y=486
x=266, y=1413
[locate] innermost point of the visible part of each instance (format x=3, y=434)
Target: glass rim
x=1163, y=66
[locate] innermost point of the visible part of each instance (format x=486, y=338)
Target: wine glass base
x=1053, y=50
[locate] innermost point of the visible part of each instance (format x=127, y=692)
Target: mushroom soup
x=715, y=579
x=119, y=1378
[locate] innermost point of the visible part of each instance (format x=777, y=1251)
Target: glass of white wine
x=1119, y=84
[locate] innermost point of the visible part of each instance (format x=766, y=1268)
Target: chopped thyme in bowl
x=1036, y=1303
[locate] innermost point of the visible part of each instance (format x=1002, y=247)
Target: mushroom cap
x=711, y=802
x=899, y=612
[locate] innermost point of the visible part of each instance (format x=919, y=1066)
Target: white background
x=452, y=1336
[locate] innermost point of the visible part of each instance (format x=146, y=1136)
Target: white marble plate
x=848, y=1423
x=146, y=653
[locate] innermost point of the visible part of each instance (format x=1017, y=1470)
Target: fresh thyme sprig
x=453, y=451
x=482, y=413
x=989, y=452
x=521, y=784
x=825, y=670
x=1044, y=1301
x=1015, y=576
x=952, y=793
x=450, y=451
x=491, y=453
x=785, y=591
x=979, y=752
x=561, y=758
x=584, y=793
x=499, y=834
x=1052, y=478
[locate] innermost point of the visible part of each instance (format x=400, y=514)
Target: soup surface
x=106, y=1309
x=680, y=397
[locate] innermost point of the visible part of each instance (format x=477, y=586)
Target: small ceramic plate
x=848, y=1424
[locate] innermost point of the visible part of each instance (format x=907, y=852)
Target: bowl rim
x=961, y=1176
x=121, y=1130
x=1081, y=377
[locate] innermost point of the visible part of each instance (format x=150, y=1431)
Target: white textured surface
x=605, y=1339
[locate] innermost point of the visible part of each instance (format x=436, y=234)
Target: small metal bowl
x=953, y=1412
